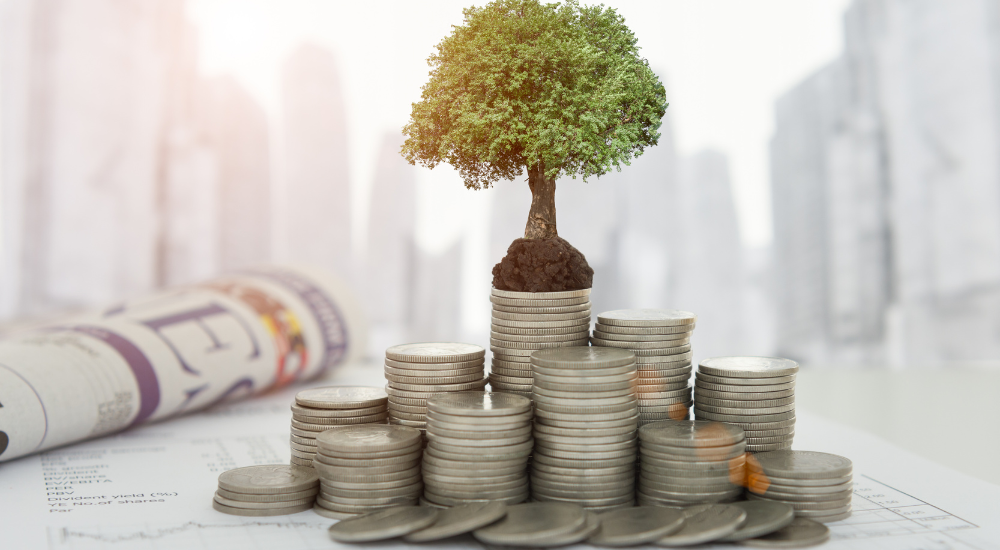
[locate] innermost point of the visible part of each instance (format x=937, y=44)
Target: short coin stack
x=819, y=486
x=585, y=422
x=366, y=468
x=478, y=445
x=688, y=462
x=527, y=321
x=661, y=341
x=754, y=393
x=269, y=490
x=415, y=372
x=319, y=409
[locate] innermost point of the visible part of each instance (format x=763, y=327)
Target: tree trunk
x=542, y=216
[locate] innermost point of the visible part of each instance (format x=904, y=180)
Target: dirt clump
x=542, y=265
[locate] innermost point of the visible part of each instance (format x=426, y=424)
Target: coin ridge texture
x=525, y=522
x=268, y=479
x=383, y=524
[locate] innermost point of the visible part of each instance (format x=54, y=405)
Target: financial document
x=151, y=488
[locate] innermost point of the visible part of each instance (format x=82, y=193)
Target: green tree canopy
x=557, y=88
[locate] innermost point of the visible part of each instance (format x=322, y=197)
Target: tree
x=557, y=90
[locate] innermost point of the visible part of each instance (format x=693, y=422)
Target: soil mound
x=542, y=265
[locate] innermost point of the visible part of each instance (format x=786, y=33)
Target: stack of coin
x=477, y=448
x=585, y=422
x=527, y=321
x=754, y=393
x=819, y=486
x=320, y=409
x=415, y=372
x=688, y=462
x=661, y=341
x=367, y=467
x=269, y=490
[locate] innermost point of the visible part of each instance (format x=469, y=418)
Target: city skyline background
x=827, y=186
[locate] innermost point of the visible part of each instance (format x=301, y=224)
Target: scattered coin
x=705, y=523
x=259, y=513
x=383, y=524
x=800, y=533
x=460, y=519
x=647, y=318
x=535, y=520
x=637, y=525
x=762, y=518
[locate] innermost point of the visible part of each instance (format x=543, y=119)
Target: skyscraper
x=316, y=197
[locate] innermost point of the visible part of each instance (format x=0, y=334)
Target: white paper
x=152, y=487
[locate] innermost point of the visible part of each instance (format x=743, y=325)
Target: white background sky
x=725, y=63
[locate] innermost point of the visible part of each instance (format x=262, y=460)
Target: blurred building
x=707, y=274
x=316, y=196
x=391, y=254
x=436, y=309
x=885, y=171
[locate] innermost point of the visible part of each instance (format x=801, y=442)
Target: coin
x=536, y=317
x=539, y=302
x=801, y=532
x=730, y=381
x=762, y=518
x=496, y=322
x=705, y=523
x=551, y=295
x=582, y=357
x=745, y=410
x=705, y=415
x=599, y=332
x=742, y=395
x=253, y=505
x=804, y=464
x=647, y=318
x=383, y=524
x=260, y=513
x=748, y=367
x=341, y=397
x=268, y=479
x=435, y=352
x=459, y=519
x=691, y=433
x=525, y=522
x=369, y=438
x=679, y=346
x=637, y=525
x=643, y=331
x=663, y=359
x=498, y=338
x=590, y=526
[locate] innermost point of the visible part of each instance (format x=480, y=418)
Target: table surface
x=949, y=416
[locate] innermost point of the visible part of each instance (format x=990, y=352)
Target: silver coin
x=338, y=413
x=459, y=365
x=577, y=440
x=584, y=471
x=748, y=367
x=277, y=497
x=762, y=518
x=769, y=447
x=559, y=373
x=341, y=397
x=789, y=491
x=543, y=309
x=554, y=331
x=582, y=357
x=804, y=464
x=745, y=411
x=496, y=322
x=369, y=438
x=635, y=526
x=435, y=430
x=677, y=346
x=455, y=426
x=583, y=491
x=583, y=460
x=691, y=433
x=703, y=453
x=460, y=519
x=584, y=387
x=590, y=424
x=589, y=395
x=584, y=446
x=659, y=405
x=461, y=379
x=268, y=479
x=421, y=409
x=510, y=382
x=683, y=391
x=383, y=524
x=599, y=332
x=550, y=295
x=518, y=347
x=260, y=513
x=464, y=386
x=742, y=395
x=479, y=404
x=408, y=457
x=647, y=500
x=837, y=515
x=536, y=317
x=539, y=302
x=588, y=502
x=498, y=338
x=434, y=373
x=584, y=408
x=511, y=416
x=820, y=515
x=729, y=381
x=300, y=462
x=585, y=400
x=262, y=505
x=800, y=533
x=441, y=441
x=627, y=376
x=590, y=526
x=660, y=376
x=506, y=350
x=545, y=413
x=705, y=523
x=777, y=417
x=768, y=440
x=647, y=318
x=451, y=501
x=651, y=487
x=640, y=331
x=317, y=423
x=663, y=359
x=507, y=449
x=435, y=352
x=698, y=384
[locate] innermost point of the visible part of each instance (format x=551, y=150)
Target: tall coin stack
x=754, y=393
x=319, y=409
x=688, y=462
x=268, y=490
x=819, y=486
x=415, y=372
x=366, y=468
x=661, y=341
x=585, y=422
x=478, y=445
x=527, y=321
